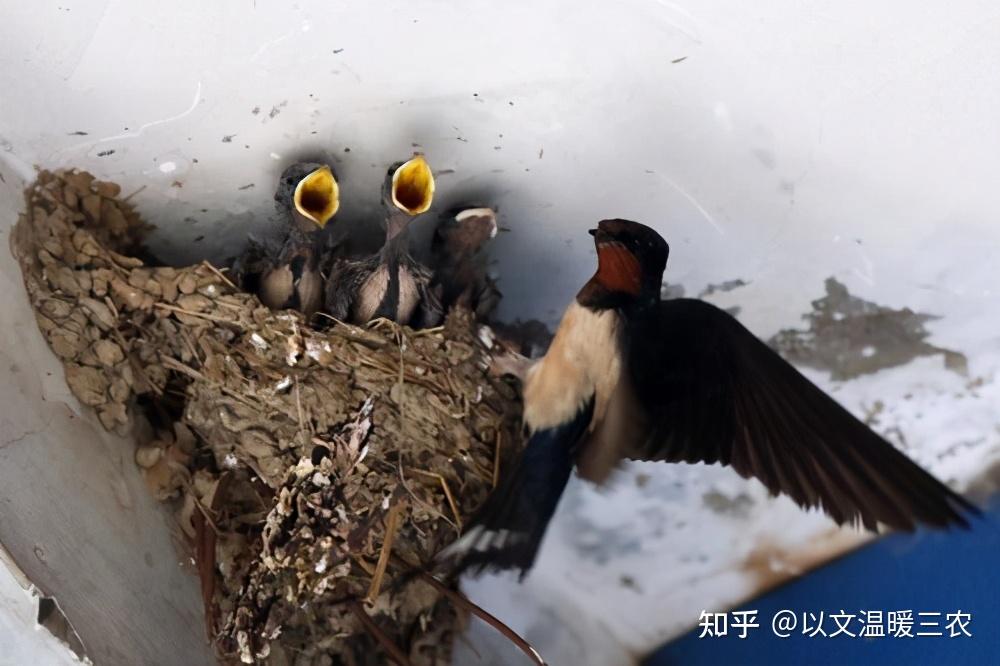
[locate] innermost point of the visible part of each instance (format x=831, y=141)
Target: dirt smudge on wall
x=848, y=337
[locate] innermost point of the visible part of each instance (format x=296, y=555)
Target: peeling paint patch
x=848, y=337
x=669, y=291
x=602, y=545
x=629, y=583
x=722, y=287
x=276, y=109
x=51, y=617
x=770, y=563
x=737, y=506
x=728, y=285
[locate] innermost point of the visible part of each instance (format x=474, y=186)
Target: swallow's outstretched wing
x=507, y=530
x=710, y=391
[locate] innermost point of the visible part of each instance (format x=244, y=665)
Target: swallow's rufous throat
x=631, y=376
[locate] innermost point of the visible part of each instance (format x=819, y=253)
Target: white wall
x=75, y=515
x=794, y=141
x=24, y=642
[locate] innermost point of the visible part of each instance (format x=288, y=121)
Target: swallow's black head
x=642, y=242
x=631, y=259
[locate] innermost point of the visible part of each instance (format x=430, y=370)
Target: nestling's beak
x=317, y=196
x=413, y=186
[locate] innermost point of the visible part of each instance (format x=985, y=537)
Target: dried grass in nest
x=308, y=469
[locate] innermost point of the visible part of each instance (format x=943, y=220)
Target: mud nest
x=307, y=469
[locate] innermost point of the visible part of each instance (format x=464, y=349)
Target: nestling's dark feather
x=343, y=284
x=459, y=259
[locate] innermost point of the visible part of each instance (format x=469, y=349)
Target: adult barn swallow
x=284, y=270
x=630, y=376
x=390, y=283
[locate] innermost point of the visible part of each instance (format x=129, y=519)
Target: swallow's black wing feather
x=711, y=391
x=508, y=528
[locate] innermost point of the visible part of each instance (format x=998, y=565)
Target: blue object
x=927, y=571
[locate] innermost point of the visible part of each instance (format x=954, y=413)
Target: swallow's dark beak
x=601, y=236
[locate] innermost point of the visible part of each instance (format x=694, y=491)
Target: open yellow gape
x=413, y=186
x=317, y=196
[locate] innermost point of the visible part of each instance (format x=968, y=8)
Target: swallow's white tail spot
x=480, y=540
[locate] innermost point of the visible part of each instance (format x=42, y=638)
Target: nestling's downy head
x=310, y=192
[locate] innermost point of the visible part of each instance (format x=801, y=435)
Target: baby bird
x=459, y=258
x=390, y=283
x=283, y=270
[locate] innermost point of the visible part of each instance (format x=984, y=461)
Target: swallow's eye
x=289, y=180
